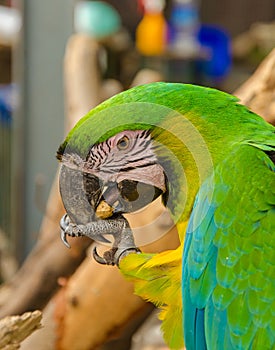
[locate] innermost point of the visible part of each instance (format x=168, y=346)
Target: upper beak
x=80, y=194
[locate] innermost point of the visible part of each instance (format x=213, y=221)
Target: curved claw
x=98, y=258
x=121, y=254
x=63, y=236
x=64, y=222
x=114, y=255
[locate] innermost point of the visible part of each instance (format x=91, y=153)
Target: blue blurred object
x=217, y=44
x=183, y=27
x=96, y=18
x=6, y=109
x=6, y=104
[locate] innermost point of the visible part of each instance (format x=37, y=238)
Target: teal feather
x=216, y=332
x=234, y=279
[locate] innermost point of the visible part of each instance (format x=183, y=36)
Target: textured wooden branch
x=8, y=264
x=82, y=77
x=145, y=76
x=14, y=329
x=98, y=302
x=37, y=280
x=258, y=92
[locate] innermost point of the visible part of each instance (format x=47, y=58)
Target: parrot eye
x=123, y=143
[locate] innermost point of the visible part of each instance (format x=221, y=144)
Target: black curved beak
x=83, y=194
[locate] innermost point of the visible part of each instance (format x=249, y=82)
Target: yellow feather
x=157, y=278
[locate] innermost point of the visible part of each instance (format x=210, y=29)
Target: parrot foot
x=71, y=229
x=118, y=227
x=68, y=229
x=123, y=245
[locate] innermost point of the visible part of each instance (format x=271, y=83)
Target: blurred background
x=217, y=43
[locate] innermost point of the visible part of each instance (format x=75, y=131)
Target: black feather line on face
x=165, y=195
x=126, y=169
x=137, y=167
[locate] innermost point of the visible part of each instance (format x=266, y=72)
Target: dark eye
x=123, y=143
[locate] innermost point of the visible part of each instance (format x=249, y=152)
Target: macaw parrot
x=212, y=161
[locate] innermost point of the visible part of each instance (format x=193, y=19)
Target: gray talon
x=122, y=253
x=68, y=229
x=64, y=223
x=63, y=236
x=98, y=258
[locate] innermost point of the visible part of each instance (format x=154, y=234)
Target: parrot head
x=118, y=175
x=114, y=161
x=112, y=164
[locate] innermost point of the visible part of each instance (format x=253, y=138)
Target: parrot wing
x=229, y=255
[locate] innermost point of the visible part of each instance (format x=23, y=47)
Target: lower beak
x=128, y=196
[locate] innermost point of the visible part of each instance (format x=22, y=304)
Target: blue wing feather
x=228, y=292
